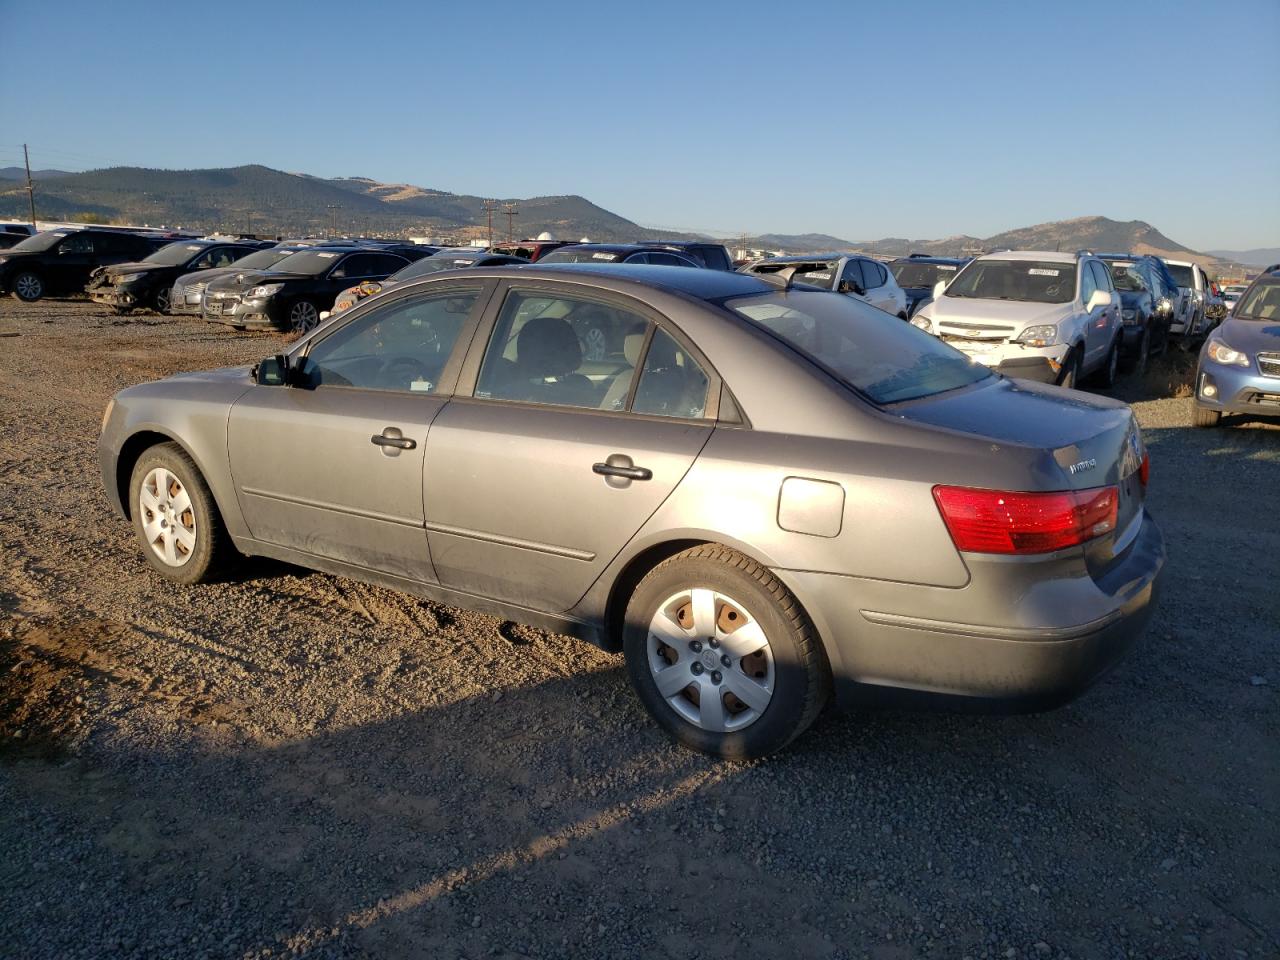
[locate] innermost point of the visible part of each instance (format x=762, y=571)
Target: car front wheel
x=175, y=517
x=28, y=286
x=1070, y=375
x=722, y=655
x=303, y=316
x=1207, y=418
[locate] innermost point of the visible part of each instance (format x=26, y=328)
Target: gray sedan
x=762, y=494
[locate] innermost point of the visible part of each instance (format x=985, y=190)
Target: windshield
x=1029, y=281
x=428, y=265
x=261, y=259
x=875, y=353
x=1126, y=277
x=581, y=255
x=172, y=254
x=41, y=241
x=309, y=262
x=1261, y=302
x=1235, y=290
x=1182, y=275
x=913, y=273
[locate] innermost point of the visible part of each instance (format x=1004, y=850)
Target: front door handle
x=392, y=442
x=618, y=470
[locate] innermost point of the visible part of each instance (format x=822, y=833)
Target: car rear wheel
x=722, y=655
x=1207, y=418
x=175, y=517
x=28, y=286
x=1109, y=370
x=303, y=316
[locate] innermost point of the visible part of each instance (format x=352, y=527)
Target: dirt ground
x=296, y=764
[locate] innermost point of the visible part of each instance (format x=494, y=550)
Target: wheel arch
x=132, y=450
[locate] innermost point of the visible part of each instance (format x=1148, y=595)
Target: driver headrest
x=547, y=347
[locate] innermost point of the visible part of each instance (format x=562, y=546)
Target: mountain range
x=260, y=199
x=1258, y=257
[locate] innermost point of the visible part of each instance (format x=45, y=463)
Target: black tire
x=28, y=286
x=1107, y=374
x=206, y=559
x=1206, y=418
x=303, y=316
x=801, y=674
x=1070, y=375
x=160, y=302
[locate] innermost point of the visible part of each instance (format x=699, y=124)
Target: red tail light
x=1144, y=470
x=999, y=521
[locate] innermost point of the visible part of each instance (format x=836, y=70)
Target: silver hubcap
x=303, y=316
x=168, y=519
x=711, y=660
x=29, y=287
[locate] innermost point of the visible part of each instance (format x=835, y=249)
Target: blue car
x=1239, y=368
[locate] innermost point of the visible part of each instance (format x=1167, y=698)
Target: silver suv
x=1039, y=315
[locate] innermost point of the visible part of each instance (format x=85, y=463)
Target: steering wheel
x=403, y=370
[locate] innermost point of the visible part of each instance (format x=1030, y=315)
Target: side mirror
x=1100, y=298
x=273, y=371
x=850, y=286
x=939, y=289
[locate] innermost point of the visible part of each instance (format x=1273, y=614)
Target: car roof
x=925, y=258
x=702, y=284
x=618, y=247
x=1047, y=256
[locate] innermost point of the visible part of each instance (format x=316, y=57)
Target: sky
x=861, y=120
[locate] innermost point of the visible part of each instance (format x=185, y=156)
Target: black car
x=1147, y=293
x=713, y=256
x=291, y=295
x=59, y=262
x=188, y=289
x=147, y=282
x=619, y=253
x=449, y=258
x=919, y=273
x=14, y=233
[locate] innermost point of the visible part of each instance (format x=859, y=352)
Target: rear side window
x=873, y=275
x=672, y=383
x=79, y=243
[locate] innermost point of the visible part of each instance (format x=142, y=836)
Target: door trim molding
x=334, y=507
x=549, y=548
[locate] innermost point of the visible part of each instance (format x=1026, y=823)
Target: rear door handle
x=618, y=470
x=630, y=473
x=403, y=443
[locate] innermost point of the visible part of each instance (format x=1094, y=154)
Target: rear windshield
x=913, y=273
x=815, y=274
x=875, y=353
x=41, y=241
x=1261, y=302
x=579, y=255
x=1125, y=276
x=1030, y=281
x=172, y=254
x=262, y=259
x=429, y=265
x=309, y=262
x=1182, y=275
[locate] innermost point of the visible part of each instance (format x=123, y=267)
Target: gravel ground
x=298, y=764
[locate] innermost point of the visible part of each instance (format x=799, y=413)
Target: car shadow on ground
x=496, y=825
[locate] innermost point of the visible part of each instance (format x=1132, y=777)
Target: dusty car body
x=765, y=492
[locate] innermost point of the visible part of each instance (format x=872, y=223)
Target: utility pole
x=333, y=219
x=489, y=207
x=31, y=187
x=511, y=210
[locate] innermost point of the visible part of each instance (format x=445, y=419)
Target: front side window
x=217, y=257
x=562, y=350
x=1029, y=281
x=402, y=346
x=873, y=275
x=876, y=354
x=77, y=243
x=1101, y=279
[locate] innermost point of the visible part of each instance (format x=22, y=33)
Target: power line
x=511, y=210
x=489, y=207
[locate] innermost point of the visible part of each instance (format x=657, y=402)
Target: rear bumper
x=899, y=658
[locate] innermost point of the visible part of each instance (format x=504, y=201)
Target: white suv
x=1197, y=301
x=1039, y=315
